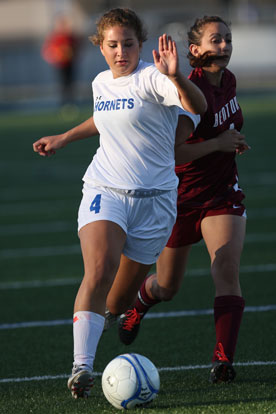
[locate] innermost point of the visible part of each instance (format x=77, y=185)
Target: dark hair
x=119, y=17
x=195, y=35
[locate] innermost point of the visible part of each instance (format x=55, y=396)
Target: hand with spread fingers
x=166, y=59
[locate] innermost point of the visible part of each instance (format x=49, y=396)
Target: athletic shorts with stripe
x=147, y=221
x=187, y=228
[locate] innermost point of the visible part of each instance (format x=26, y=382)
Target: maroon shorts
x=187, y=228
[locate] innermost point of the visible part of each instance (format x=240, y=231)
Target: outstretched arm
x=48, y=145
x=167, y=62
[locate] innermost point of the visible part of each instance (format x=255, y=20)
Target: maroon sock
x=228, y=311
x=144, y=302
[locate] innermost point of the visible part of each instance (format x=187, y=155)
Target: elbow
x=202, y=104
x=202, y=107
x=199, y=108
x=198, y=104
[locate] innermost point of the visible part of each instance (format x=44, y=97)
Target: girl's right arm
x=230, y=140
x=48, y=145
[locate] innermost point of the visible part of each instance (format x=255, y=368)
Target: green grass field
x=41, y=267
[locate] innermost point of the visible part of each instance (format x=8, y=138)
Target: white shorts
x=147, y=221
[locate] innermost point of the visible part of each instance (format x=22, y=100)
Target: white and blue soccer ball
x=130, y=380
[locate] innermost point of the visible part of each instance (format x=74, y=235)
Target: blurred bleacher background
x=28, y=82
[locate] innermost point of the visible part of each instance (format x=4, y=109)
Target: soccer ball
x=130, y=380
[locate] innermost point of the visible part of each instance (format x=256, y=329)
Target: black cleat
x=222, y=370
x=129, y=324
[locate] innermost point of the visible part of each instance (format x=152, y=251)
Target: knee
x=162, y=293
x=226, y=278
x=227, y=270
x=100, y=275
x=226, y=265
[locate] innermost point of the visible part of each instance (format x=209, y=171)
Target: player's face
x=217, y=39
x=121, y=50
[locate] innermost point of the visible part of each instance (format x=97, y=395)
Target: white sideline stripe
x=191, y=367
x=176, y=314
x=36, y=324
x=260, y=237
x=269, y=267
x=75, y=248
x=40, y=283
x=37, y=228
x=162, y=369
x=152, y=315
x=73, y=281
x=40, y=251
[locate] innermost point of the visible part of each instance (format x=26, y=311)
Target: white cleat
x=80, y=382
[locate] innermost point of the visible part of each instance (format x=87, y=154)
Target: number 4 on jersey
x=96, y=204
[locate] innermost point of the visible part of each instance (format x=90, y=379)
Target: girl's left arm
x=191, y=97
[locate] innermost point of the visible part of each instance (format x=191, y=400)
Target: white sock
x=87, y=330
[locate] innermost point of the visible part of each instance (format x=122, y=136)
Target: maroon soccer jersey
x=211, y=179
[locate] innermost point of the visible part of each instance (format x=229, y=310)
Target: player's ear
x=101, y=49
x=194, y=50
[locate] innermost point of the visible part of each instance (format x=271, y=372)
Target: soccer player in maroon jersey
x=210, y=201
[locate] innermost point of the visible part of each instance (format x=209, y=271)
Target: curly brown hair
x=119, y=17
x=195, y=35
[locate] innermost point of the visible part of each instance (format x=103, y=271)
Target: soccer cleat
x=80, y=382
x=222, y=369
x=110, y=319
x=129, y=324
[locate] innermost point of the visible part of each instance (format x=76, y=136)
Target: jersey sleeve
x=157, y=87
x=194, y=117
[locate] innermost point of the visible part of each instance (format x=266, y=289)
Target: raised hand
x=166, y=59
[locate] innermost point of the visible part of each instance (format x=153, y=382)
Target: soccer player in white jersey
x=130, y=188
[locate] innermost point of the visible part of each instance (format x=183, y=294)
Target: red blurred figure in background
x=59, y=50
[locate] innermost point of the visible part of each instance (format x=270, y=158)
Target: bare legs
x=224, y=238
x=126, y=285
x=101, y=243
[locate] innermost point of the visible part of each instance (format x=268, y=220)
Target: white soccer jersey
x=136, y=117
